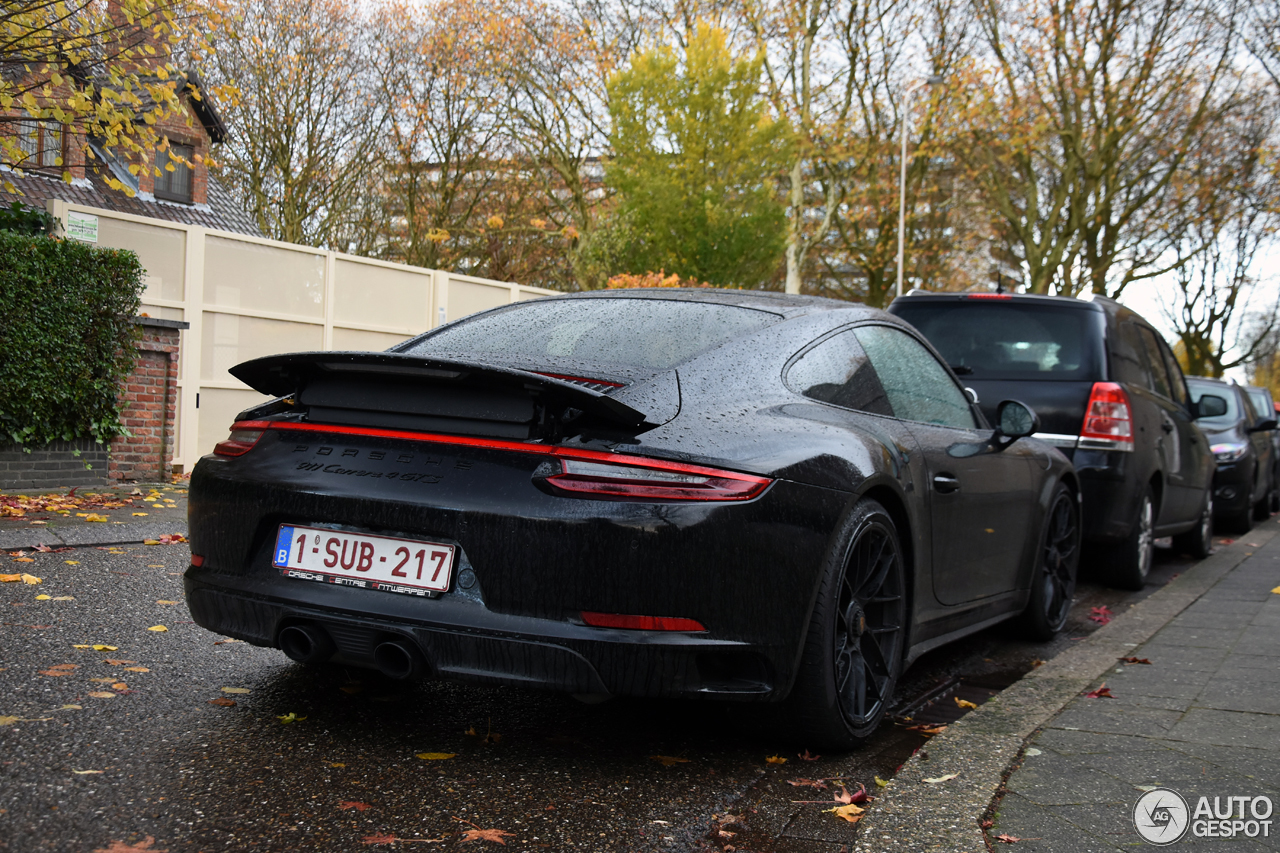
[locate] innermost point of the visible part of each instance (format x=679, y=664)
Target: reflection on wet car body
x=724, y=494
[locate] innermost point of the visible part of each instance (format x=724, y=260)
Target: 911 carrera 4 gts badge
x=406, y=476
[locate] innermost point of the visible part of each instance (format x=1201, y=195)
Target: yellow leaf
x=165, y=601
x=965, y=703
x=436, y=756
x=138, y=513
x=64, y=598
x=100, y=647
x=286, y=719
x=42, y=597
x=8, y=721
x=24, y=559
x=1276, y=590
x=72, y=562
x=157, y=628
x=150, y=541
x=102, y=694
x=72, y=708
x=669, y=760
x=881, y=782
x=336, y=764
x=82, y=646
x=136, y=669
x=93, y=516
x=850, y=812
x=31, y=580
x=10, y=578
x=939, y=779
x=85, y=772
x=235, y=690
x=776, y=759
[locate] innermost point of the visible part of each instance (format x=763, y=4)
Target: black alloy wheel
x=853, y=653
x=1053, y=581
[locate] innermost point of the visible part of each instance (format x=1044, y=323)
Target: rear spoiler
x=411, y=386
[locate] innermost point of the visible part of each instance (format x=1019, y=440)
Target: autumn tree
x=1080, y=116
x=307, y=116
x=695, y=162
x=83, y=69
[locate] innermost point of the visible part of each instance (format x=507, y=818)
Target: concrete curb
x=88, y=535
x=912, y=815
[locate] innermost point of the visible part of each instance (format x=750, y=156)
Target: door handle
x=946, y=484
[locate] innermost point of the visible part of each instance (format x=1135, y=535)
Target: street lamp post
x=902, y=179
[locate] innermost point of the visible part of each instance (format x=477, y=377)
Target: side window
x=837, y=371
x=1155, y=363
x=1177, y=384
x=917, y=385
x=1127, y=362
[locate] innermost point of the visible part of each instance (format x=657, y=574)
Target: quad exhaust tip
x=401, y=660
x=306, y=643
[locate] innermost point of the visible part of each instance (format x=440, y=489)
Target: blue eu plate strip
x=283, y=544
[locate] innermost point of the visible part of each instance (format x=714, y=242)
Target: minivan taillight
x=240, y=442
x=1108, y=415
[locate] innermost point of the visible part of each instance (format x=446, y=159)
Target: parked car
x=701, y=493
x=1109, y=394
x=1240, y=439
x=1266, y=408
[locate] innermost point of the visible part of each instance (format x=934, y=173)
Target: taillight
x=635, y=478
x=640, y=623
x=990, y=296
x=240, y=442
x=1108, y=415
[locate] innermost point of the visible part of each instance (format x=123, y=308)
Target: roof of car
x=786, y=304
x=1094, y=302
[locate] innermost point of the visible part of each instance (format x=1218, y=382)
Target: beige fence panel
x=247, y=297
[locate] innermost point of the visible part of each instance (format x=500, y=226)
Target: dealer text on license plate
x=359, y=559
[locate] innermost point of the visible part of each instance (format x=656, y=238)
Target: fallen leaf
x=8, y=720
x=1102, y=615
x=10, y=578
x=808, y=783
x=668, y=760
x=861, y=796
x=1008, y=839
x=1136, y=660
x=140, y=514
x=1103, y=692
x=143, y=846
x=85, y=772
x=1276, y=590
x=807, y=756
x=81, y=646
x=352, y=804
x=136, y=669
x=222, y=701
x=72, y=562
x=965, y=703
x=776, y=759
x=150, y=541
x=119, y=685
x=936, y=780
x=286, y=719
x=93, y=516
x=379, y=839
x=44, y=549
x=224, y=642
x=849, y=812
x=165, y=601
x=102, y=680
x=71, y=708
x=336, y=764
x=117, y=661
x=64, y=598
x=157, y=628
x=31, y=580
x=65, y=666
x=927, y=729
x=436, y=756
x=101, y=647
x=494, y=835
x=102, y=694
x=842, y=796
x=235, y=690
x=42, y=597
x=24, y=560
x=54, y=672
x=881, y=783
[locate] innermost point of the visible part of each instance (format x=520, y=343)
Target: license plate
x=359, y=559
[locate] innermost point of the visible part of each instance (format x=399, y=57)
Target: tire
x=1131, y=561
x=1262, y=509
x=1198, y=542
x=1053, y=579
x=1238, y=522
x=853, y=651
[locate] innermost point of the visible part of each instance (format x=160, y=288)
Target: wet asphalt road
x=151, y=757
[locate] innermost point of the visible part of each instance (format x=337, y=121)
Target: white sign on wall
x=82, y=226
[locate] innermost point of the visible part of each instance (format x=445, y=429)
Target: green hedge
x=66, y=337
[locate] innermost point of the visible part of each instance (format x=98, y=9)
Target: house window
x=41, y=143
x=174, y=181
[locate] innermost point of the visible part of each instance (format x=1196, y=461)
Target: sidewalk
x=1202, y=718
x=92, y=516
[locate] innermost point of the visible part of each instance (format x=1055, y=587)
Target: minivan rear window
x=627, y=332
x=1009, y=340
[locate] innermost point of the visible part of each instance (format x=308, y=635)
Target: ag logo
x=1161, y=816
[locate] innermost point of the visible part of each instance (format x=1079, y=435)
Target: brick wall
x=149, y=405
x=53, y=466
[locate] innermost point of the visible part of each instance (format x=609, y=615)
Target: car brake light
x=652, y=480
x=197, y=560
x=990, y=296
x=640, y=623
x=240, y=442
x=1108, y=414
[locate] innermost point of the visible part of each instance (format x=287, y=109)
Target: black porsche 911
x=727, y=494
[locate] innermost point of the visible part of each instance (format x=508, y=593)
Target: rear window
x=648, y=333
x=1009, y=340
x=1261, y=402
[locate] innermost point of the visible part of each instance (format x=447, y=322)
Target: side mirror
x=1210, y=406
x=1264, y=425
x=1015, y=420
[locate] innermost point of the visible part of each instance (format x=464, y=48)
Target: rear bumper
x=1232, y=489
x=1108, y=493
x=463, y=641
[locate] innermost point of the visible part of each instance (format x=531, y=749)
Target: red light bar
x=668, y=480
x=241, y=440
x=640, y=623
x=197, y=560
x=990, y=296
x=1108, y=414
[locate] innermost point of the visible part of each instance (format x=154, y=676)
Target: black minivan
x=1109, y=394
